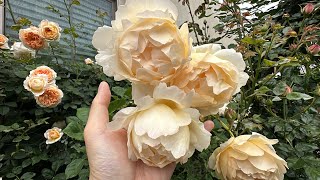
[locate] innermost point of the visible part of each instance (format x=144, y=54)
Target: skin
x=107, y=150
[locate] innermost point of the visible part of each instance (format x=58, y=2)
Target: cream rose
x=162, y=129
x=144, y=43
x=248, y=157
x=22, y=52
x=31, y=38
x=4, y=42
x=214, y=74
x=52, y=75
x=51, y=97
x=53, y=135
x=36, y=84
x=49, y=30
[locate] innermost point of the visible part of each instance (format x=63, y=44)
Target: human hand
x=107, y=150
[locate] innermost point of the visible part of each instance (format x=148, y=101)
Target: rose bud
x=314, y=49
x=308, y=9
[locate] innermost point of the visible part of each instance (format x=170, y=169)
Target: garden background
x=280, y=100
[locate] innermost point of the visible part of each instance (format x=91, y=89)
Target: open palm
x=107, y=150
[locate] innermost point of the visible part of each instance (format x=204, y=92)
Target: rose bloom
x=50, y=98
x=88, y=61
x=144, y=43
x=214, y=74
x=22, y=52
x=248, y=157
x=36, y=84
x=31, y=38
x=53, y=135
x=50, y=30
x=4, y=42
x=162, y=129
x=52, y=75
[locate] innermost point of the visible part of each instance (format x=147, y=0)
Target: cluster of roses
x=32, y=39
x=41, y=82
x=173, y=85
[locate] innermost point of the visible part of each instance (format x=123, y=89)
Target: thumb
x=99, y=114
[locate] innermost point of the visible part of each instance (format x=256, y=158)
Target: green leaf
x=74, y=130
x=262, y=90
x=277, y=98
x=116, y=105
x=75, y=2
x=313, y=173
x=119, y=91
x=60, y=176
x=28, y=175
x=4, y=110
x=294, y=96
x=47, y=173
x=56, y=165
x=280, y=88
x=74, y=168
x=83, y=114
x=249, y=40
x=295, y=163
x=21, y=74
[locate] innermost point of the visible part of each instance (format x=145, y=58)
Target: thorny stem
x=53, y=54
x=225, y=126
x=193, y=22
x=11, y=13
x=74, y=50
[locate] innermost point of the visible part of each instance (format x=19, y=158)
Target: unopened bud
x=287, y=91
x=314, y=49
x=277, y=26
x=286, y=16
x=246, y=14
x=292, y=33
x=293, y=47
x=230, y=115
x=269, y=102
x=318, y=91
x=308, y=9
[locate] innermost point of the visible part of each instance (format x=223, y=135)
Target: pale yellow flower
x=162, y=129
x=47, y=71
x=88, y=61
x=51, y=97
x=22, y=52
x=248, y=157
x=4, y=42
x=31, y=38
x=49, y=30
x=144, y=43
x=36, y=84
x=53, y=135
x=214, y=74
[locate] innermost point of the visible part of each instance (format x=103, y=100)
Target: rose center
x=54, y=134
x=49, y=31
x=36, y=84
